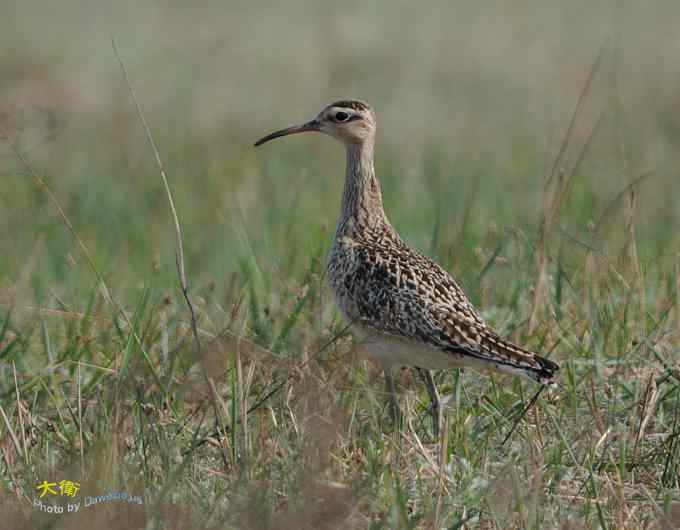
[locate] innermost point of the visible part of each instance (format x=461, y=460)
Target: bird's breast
x=341, y=268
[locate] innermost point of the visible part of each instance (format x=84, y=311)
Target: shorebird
x=402, y=308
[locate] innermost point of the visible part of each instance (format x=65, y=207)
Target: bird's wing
x=408, y=295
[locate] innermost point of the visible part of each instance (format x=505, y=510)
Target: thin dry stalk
x=21, y=416
x=677, y=294
x=590, y=284
x=80, y=421
x=631, y=262
x=243, y=409
x=12, y=434
x=109, y=472
x=56, y=403
x=615, y=201
x=89, y=365
x=648, y=408
x=630, y=253
x=539, y=288
x=48, y=311
x=414, y=440
x=221, y=428
x=443, y=456
x=562, y=191
x=578, y=108
x=524, y=413
x=179, y=253
x=554, y=194
x=165, y=341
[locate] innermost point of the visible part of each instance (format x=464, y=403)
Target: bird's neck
x=362, y=206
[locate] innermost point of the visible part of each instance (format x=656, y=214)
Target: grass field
x=531, y=148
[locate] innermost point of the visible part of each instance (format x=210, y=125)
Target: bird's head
x=351, y=122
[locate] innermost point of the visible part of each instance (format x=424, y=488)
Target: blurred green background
x=473, y=101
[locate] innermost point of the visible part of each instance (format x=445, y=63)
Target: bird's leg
x=395, y=410
x=435, y=402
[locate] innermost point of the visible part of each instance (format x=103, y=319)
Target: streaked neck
x=362, y=205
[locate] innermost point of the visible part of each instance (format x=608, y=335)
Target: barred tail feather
x=547, y=370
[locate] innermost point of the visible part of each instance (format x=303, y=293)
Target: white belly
x=391, y=352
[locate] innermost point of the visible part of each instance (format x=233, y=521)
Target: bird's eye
x=341, y=116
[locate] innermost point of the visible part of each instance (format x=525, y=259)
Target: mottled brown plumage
x=404, y=309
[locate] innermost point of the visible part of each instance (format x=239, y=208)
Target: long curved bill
x=305, y=127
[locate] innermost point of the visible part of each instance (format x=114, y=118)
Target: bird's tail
x=546, y=372
x=510, y=358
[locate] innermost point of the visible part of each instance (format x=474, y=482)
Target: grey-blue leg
x=395, y=410
x=435, y=402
